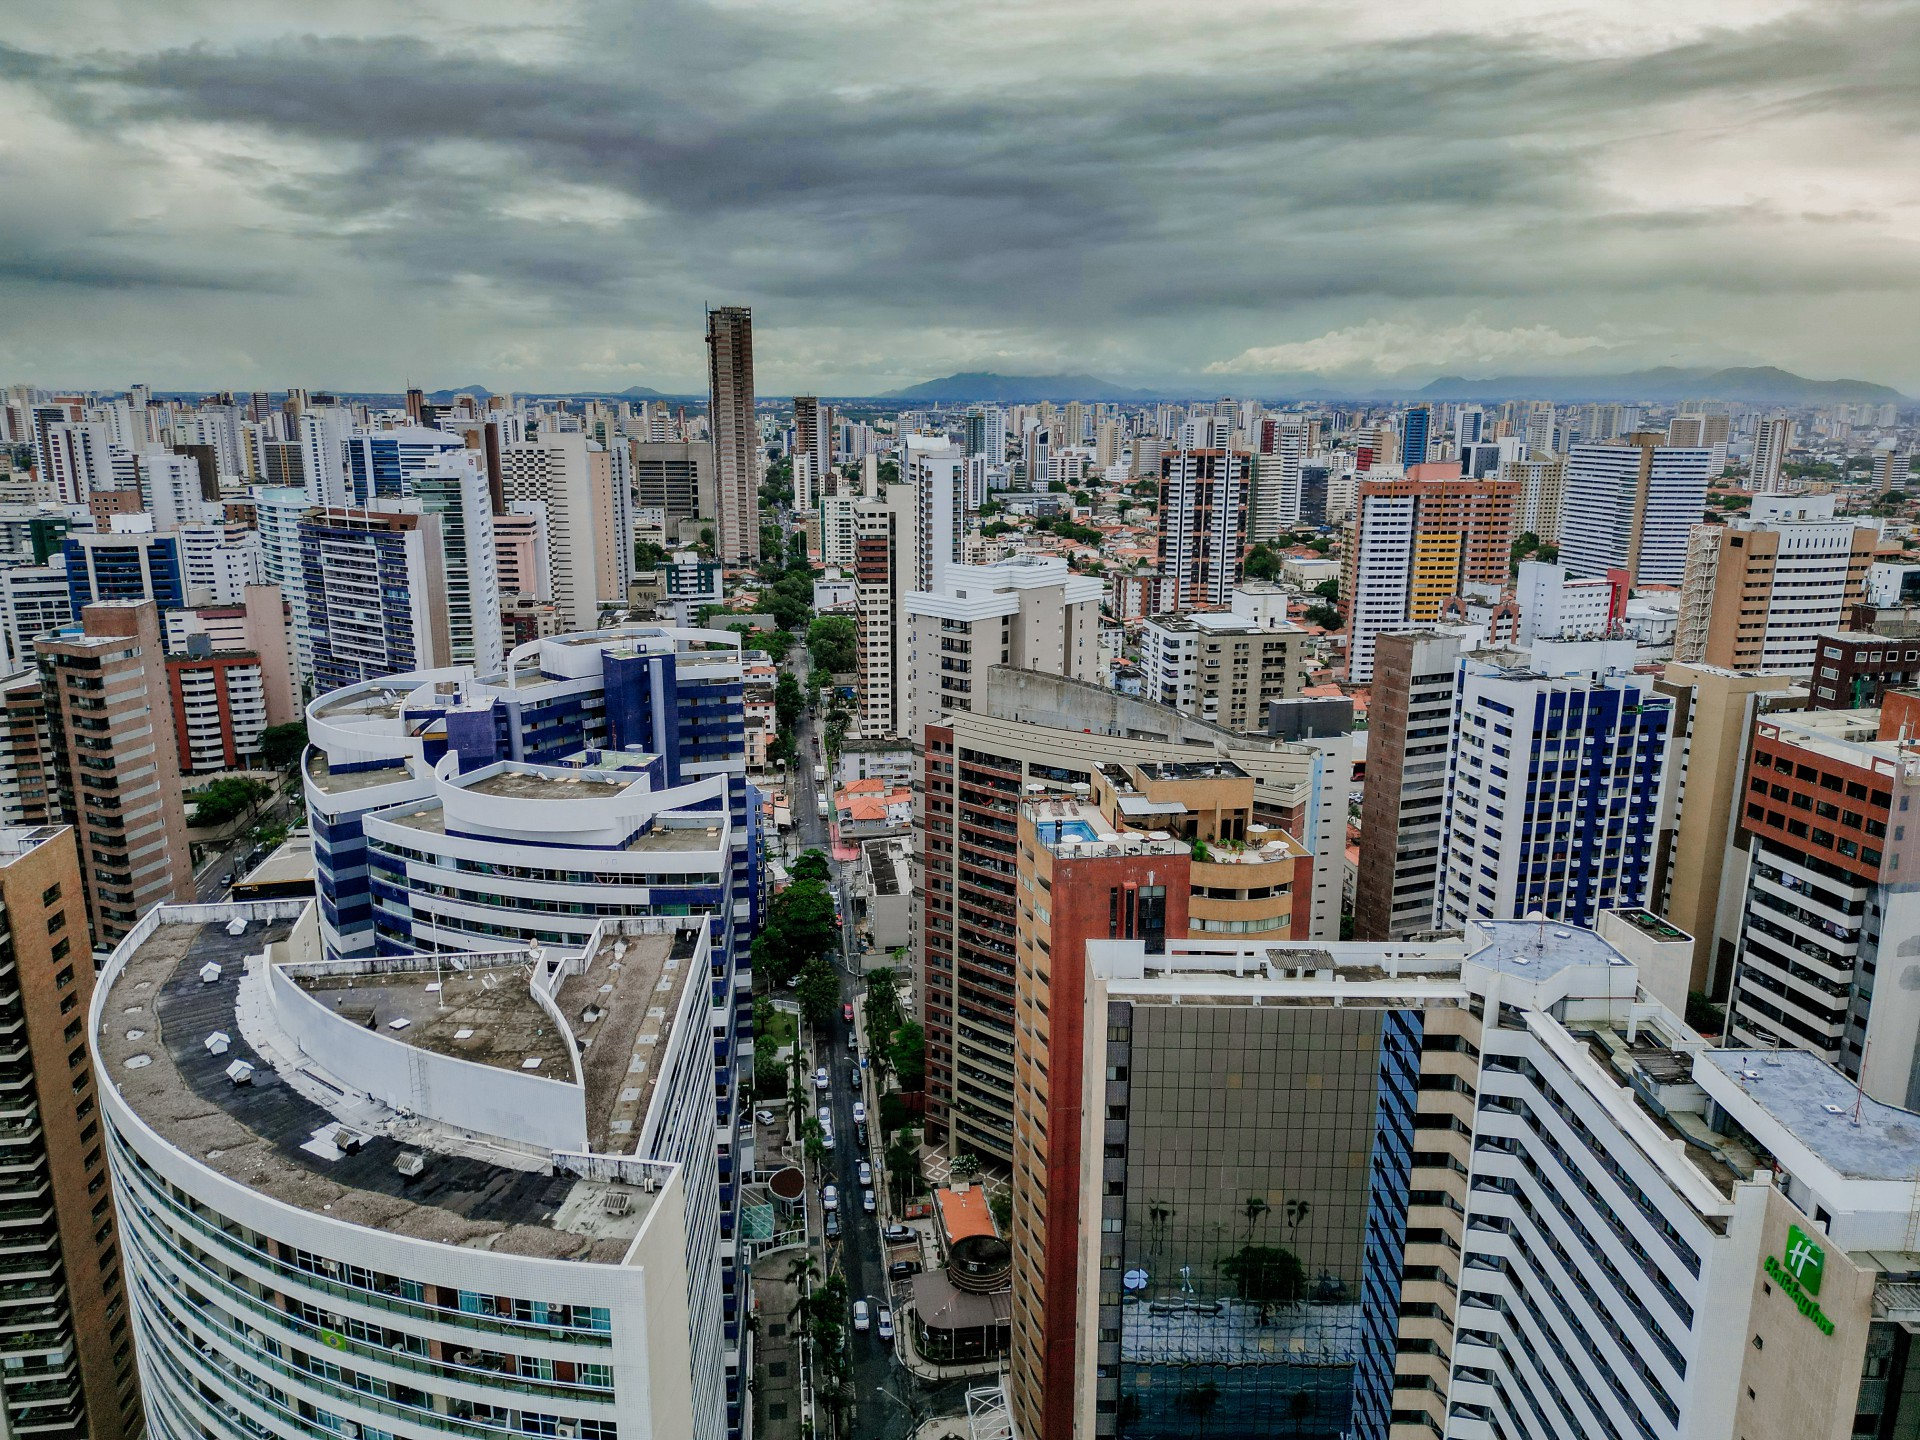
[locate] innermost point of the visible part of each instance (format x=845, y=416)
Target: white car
x=830, y=1198
x=861, y=1317
x=826, y=1117
x=821, y=1080
x=886, y=1324
x=826, y=1139
x=866, y=1173
x=859, y=1111
x=866, y=1201
x=765, y=1117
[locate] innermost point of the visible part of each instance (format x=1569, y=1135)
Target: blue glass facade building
x=125, y=567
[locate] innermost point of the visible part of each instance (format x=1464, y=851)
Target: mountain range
x=1751, y=385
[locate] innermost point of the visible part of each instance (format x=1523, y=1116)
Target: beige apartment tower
x=120, y=768
x=736, y=434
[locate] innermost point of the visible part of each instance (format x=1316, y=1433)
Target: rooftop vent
x=410, y=1163
x=240, y=1073
x=209, y=973
x=219, y=1042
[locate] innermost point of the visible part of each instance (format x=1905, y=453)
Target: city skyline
x=209, y=196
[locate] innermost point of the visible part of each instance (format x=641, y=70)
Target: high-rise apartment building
x=29, y=786
x=736, y=434
x=1828, y=917
x=1204, y=499
x=424, y=1208
x=1221, y=666
x=1760, y=590
x=376, y=594
x=813, y=427
x=1631, y=506
x=1542, y=482
x=1772, y=439
x=1278, y=498
x=1555, y=781
x=885, y=536
x=569, y=480
x=1409, y=734
x=1030, y=612
x=1416, y=542
x=65, y=1306
x=937, y=472
x=79, y=459
x=977, y=767
x=1704, y=430
x=117, y=762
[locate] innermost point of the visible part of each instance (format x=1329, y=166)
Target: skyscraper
x=1414, y=427
x=1772, y=438
x=1414, y=543
x=1555, y=778
x=937, y=471
x=118, y=763
x=883, y=567
x=376, y=593
x=1203, y=524
x=1630, y=506
x=569, y=479
x=736, y=434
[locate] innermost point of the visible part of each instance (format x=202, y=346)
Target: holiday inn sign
x=1798, y=1271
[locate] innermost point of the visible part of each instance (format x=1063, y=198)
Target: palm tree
x=1297, y=1212
x=1254, y=1209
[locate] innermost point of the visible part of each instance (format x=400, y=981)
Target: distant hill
x=445, y=397
x=1749, y=385
x=1007, y=389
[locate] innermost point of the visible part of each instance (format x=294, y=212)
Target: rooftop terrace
x=485, y=1015
x=306, y=1138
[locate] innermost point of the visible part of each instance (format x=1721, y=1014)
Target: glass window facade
x=1253, y=1219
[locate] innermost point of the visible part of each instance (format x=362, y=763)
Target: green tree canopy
x=908, y=1055
x=832, y=643
x=282, y=745
x=819, y=991
x=225, y=800
x=1262, y=563
x=812, y=865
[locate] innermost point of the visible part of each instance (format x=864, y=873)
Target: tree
x=282, y=745
x=647, y=555
x=1262, y=563
x=789, y=702
x=965, y=1166
x=882, y=1007
x=1000, y=1206
x=819, y=991
x=1325, y=616
x=1254, y=1209
x=226, y=800
x=812, y=866
x=1328, y=590
x=908, y=1055
x=832, y=643
x=903, y=1164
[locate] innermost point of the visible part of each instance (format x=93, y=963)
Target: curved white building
x=419, y=1196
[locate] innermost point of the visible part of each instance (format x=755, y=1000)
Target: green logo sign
x=1798, y=1271
x=1804, y=1260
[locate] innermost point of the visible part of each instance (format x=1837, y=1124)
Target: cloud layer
x=197, y=194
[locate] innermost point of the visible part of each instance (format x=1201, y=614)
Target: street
x=210, y=878
x=890, y=1399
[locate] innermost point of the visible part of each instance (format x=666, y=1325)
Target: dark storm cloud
x=761, y=160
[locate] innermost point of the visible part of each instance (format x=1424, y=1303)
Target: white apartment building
x=34, y=599
x=591, y=557
x=386, y=1196
x=1032, y=613
x=1772, y=438
x=885, y=542
x=937, y=470
x=79, y=456
x=1631, y=507
x=1276, y=486
x=1221, y=666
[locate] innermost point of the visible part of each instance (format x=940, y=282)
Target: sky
x=359, y=195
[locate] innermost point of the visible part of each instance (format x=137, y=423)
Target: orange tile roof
x=964, y=1213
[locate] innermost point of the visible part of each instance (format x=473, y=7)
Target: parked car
x=903, y=1269
x=866, y=1173
x=862, y=1317
x=860, y=1132
x=897, y=1234
x=846, y=1012
x=821, y=1080
x=866, y=1201
x=826, y=1137
x=859, y=1112
x=833, y=1225
x=886, y=1324
x=765, y=1117
x=825, y=1114
x=830, y=1198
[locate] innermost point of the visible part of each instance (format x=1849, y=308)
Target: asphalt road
x=857, y=1253
x=210, y=879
